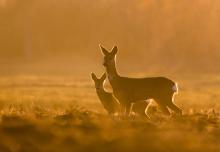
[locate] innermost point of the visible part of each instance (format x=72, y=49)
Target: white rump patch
x=175, y=88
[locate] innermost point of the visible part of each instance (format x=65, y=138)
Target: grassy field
x=63, y=113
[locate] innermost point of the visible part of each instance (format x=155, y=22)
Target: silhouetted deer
x=110, y=103
x=130, y=90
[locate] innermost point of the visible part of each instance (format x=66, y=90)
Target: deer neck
x=112, y=71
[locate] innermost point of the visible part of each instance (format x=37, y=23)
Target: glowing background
x=164, y=34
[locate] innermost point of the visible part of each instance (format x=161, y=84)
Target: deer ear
x=103, y=77
x=114, y=50
x=93, y=76
x=104, y=51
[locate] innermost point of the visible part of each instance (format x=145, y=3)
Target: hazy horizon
x=176, y=36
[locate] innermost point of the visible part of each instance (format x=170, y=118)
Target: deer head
x=109, y=57
x=98, y=81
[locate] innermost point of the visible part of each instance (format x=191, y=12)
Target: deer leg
x=164, y=110
x=146, y=112
x=125, y=110
x=122, y=110
x=128, y=109
x=140, y=108
x=144, y=115
x=175, y=108
x=169, y=102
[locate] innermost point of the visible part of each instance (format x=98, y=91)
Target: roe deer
x=130, y=90
x=110, y=103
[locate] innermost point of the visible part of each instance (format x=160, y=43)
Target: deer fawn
x=107, y=99
x=111, y=104
x=130, y=90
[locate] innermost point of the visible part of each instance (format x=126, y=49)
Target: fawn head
x=109, y=57
x=98, y=81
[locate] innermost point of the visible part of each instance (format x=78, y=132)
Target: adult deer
x=130, y=90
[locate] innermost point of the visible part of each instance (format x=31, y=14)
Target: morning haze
x=169, y=35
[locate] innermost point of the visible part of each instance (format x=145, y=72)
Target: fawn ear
x=93, y=76
x=104, y=51
x=103, y=77
x=114, y=50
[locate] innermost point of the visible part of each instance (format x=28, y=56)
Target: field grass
x=63, y=114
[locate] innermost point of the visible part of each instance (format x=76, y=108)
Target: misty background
x=152, y=35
